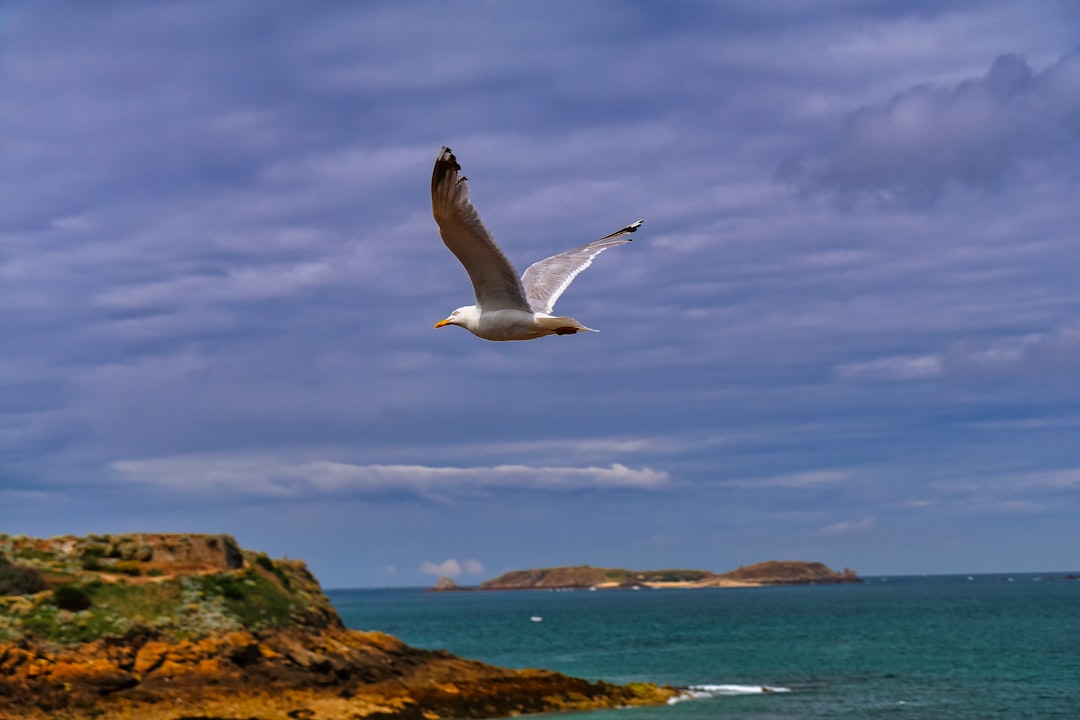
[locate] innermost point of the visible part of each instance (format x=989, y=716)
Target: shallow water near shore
x=934, y=648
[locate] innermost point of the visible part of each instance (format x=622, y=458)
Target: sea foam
x=699, y=692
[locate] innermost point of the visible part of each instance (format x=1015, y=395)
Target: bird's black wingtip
x=632, y=227
x=445, y=165
x=446, y=155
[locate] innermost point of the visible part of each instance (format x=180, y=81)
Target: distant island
x=163, y=627
x=585, y=577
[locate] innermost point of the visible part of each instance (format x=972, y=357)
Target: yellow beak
x=442, y=322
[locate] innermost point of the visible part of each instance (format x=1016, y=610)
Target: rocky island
x=586, y=577
x=192, y=627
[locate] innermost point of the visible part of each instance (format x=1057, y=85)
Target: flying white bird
x=506, y=308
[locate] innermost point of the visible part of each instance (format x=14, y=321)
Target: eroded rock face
x=163, y=627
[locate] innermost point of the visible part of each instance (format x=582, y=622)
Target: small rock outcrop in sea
x=161, y=627
x=445, y=584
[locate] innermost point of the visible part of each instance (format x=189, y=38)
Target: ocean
x=934, y=648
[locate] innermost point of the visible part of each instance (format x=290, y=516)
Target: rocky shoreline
x=281, y=676
x=170, y=627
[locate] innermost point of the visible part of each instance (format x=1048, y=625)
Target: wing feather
x=493, y=277
x=545, y=281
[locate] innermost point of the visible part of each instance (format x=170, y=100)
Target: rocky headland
x=192, y=627
x=774, y=572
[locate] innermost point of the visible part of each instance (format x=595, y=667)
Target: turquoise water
x=941, y=648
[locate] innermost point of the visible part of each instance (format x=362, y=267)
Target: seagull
x=506, y=308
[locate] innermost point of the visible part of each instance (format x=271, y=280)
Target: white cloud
x=912, y=367
x=795, y=480
x=847, y=527
x=452, y=568
x=584, y=449
x=1053, y=480
x=247, y=283
x=1028, y=423
x=1054, y=349
x=1015, y=493
x=269, y=476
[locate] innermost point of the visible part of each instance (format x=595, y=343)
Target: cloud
x=270, y=477
x=452, y=568
x=1051, y=482
x=595, y=448
x=847, y=527
x=993, y=492
x=980, y=133
x=447, y=568
x=1054, y=350
x=220, y=270
x=1066, y=479
x=1042, y=352
x=1028, y=423
x=813, y=478
x=893, y=368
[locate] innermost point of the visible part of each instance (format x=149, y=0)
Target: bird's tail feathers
x=562, y=325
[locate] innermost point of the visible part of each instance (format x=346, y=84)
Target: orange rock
x=150, y=656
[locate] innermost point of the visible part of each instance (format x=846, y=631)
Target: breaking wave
x=698, y=692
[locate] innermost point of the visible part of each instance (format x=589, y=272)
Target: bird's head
x=467, y=317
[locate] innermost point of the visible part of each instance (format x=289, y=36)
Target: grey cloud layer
x=218, y=269
x=980, y=133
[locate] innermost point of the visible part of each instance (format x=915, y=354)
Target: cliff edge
x=192, y=627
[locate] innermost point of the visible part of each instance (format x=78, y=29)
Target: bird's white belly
x=509, y=325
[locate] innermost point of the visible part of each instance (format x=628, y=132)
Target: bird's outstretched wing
x=546, y=280
x=494, y=279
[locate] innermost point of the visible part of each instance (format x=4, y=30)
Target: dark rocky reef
x=185, y=627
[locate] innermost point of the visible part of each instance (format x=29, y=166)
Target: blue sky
x=848, y=330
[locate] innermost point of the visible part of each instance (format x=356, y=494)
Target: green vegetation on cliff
x=74, y=590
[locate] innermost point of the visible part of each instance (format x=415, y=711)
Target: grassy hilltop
x=174, y=586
